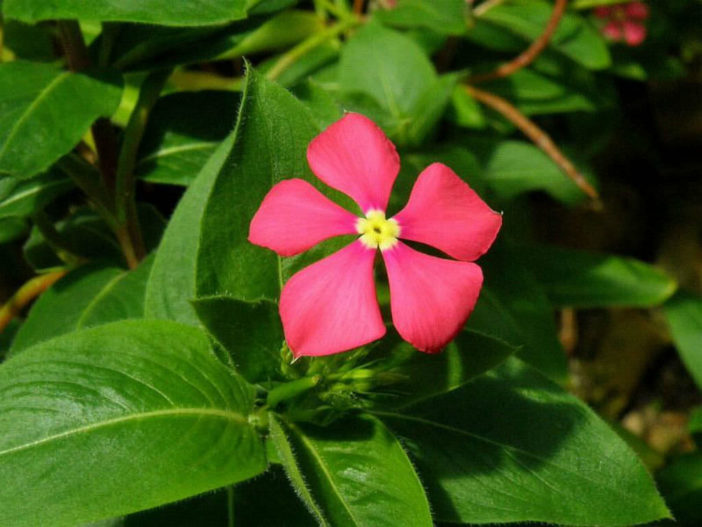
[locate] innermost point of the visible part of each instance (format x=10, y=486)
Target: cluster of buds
x=624, y=22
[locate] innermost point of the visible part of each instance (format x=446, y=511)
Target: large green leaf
x=120, y=418
x=45, y=111
x=575, y=37
x=192, y=13
x=684, y=315
x=271, y=143
x=681, y=485
x=585, y=279
x=358, y=474
x=184, y=130
x=12, y=228
x=250, y=331
x=512, y=446
x=423, y=376
x=22, y=198
x=205, y=249
x=89, y=296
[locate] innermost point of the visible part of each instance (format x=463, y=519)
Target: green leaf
x=358, y=474
x=28, y=42
x=183, y=132
x=517, y=291
x=286, y=453
x=145, y=11
x=249, y=331
x=423, y=376
x=88, y=296
x=681, y=485
x=205, y=248
x=514, y=167
x=684, y=315
x=430, y=108
x=585, y=279
x=522, y=449
x=443, y=16
x=574, y=37
x=44, y=112
x=176, y=256
x=396, y=79
x=271, y=144
x=22, y=198
x=145, y=402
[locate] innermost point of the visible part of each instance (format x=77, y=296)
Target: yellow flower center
x=376, y=231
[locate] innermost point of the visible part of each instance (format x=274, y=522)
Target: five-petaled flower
x=624, y=23
x=331, y=305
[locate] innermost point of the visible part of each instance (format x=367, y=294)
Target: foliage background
x=600, y=298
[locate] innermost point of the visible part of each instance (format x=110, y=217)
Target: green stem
x=296, y=53
x=55, y=240
x=230, y=506
x=125, y=184
x=87, y=178
x=291, y=389
x=589, y=4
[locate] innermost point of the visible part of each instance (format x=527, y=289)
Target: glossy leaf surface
x=145, y=402
x=359, y=474
x=522, y=449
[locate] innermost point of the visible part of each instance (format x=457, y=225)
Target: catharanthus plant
x=331, y=306
x=625, y=22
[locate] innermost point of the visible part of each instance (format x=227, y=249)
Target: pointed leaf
x=120, y=418
x=585, y=279
x=359, y=475
x=522, y=449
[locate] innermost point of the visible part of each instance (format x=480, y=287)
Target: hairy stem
x=539, y=137
x=530, y=54
x=25, y=294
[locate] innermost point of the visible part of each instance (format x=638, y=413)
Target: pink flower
x=331, y=306
x=624, y=22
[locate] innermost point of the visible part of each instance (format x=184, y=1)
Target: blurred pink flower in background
x=624, y=22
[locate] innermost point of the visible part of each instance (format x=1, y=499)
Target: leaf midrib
x=210, y=412
x=34, y=104
x=506, y=447
x=320, y=462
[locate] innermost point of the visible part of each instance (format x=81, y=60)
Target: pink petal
x=331, y=306
x=430, y=298
x=354, y=156
x=613, y=31
x=636, y=10
x=295, y=216
x=444, y=212
x=634, y=33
